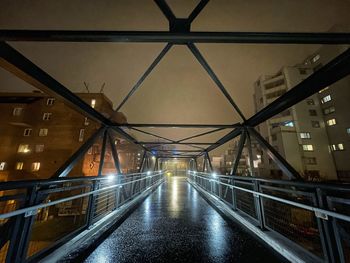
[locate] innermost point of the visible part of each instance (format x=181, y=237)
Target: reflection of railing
x=37, y=216
x=311, y=217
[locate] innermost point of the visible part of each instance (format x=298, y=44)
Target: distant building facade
x=39, y=133
x=313, y=135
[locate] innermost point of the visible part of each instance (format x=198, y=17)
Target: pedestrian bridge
x=188, y=216
x=127, y=205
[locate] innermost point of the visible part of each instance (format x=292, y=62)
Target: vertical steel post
x=250, y=152
x=239, y=153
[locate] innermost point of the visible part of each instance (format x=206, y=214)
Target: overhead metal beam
x=195, y=12
x=177, y=143
x=144, y=76
x=200, y=134
x=166, y=125
x=195, y=51
x=164, y=7
x=335, y=70
x=178, y=151
x=225, y=139
x=152, y=134
x=275, y=156
x=69, y=164
x=174, y=37
x=177, y=157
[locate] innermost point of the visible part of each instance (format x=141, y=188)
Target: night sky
x=178, y=91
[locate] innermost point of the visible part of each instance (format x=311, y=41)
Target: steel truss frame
x=179, y=34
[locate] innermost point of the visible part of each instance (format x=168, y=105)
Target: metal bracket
x=321, y=215
x=31, y=213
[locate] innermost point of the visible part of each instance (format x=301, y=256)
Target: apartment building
x=312, y=135
x=39, y=133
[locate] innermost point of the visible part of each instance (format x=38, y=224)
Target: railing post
x=91, y=205
x=23, y=225
x=326, y=229
x=258, y=205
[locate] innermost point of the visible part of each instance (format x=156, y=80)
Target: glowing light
x=149, y=173
x=153, y=158
x=168, y=173
x=214, y=175
x=110, y=177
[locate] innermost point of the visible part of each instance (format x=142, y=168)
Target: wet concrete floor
x=175, y=224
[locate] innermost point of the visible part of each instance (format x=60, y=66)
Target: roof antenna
x=86, y=87
x=102, y=87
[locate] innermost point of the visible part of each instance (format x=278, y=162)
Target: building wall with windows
x=312, y=135
x=335, y=108
x=39, y=133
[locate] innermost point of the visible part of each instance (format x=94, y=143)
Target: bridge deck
x=175, y=224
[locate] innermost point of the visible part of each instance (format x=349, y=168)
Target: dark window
x=315, y=124
x=313, y=112
x=310, y=160
x=302, y=71
x=310, y=102
x=328, y=110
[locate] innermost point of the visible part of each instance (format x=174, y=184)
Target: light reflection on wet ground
x=175, y=224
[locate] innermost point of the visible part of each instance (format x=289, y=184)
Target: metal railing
x=38, y=216
x=312, y=217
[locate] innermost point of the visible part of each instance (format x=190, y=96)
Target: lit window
x=328, y=110
x=27, y=132
x=308, y=147
x=39, y=148
x=2, y=166
x=337, y=147
x=288, y=124
x=322, y=90
x=316, y=58
x=310, y=102
x=35, y=166
x=47, y=116
x=326, y=99
x=43, y=132
x=50, y=101
x=23, y=148
x=81, y=135
x=305, y=135
x=19, y=165
x=348, y=130
x=331, y=122
x=315, y=124
x=86, y=121
x=17, y=111
x=93, y=103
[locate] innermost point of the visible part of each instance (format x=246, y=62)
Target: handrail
x=307, y=207
x=36, y=207
x=28, y=183
x=326, y=186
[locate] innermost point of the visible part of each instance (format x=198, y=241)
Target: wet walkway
x=175, y=224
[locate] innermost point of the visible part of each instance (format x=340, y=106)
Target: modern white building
x=313, y=135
